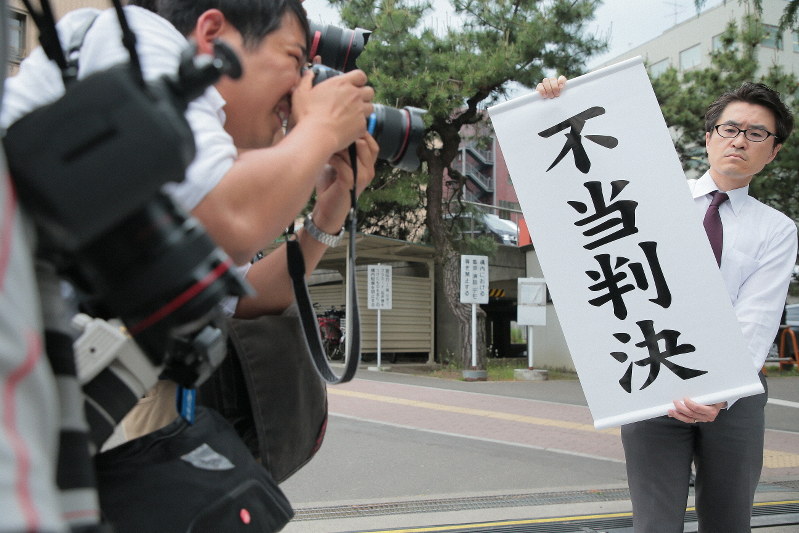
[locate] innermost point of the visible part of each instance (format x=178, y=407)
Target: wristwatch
x=325, y=238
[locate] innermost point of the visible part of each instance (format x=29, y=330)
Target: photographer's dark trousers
x=728, y=455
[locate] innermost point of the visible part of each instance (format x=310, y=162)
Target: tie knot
x=718, y=198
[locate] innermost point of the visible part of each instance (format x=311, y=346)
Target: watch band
x=325, y=238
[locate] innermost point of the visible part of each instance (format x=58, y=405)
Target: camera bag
x=187, y=478
x=272, y=384
x=268, y=389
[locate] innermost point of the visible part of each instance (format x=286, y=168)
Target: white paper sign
x=474, y=279
x=379, y=281
x=633, y=279
x=531, y=303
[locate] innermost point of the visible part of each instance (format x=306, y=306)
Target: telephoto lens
x=398, y=132
x=338, y=47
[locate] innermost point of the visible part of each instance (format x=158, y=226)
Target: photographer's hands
x=334, y=185
x=338, y=106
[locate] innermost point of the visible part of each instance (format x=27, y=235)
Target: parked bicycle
x=332, y=332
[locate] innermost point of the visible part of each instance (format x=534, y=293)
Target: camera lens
x=338, y=47
x=160, y=272
x=398, y=132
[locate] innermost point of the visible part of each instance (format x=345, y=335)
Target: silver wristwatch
x=325, y=238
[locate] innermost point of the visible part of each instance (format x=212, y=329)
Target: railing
x=474, y=172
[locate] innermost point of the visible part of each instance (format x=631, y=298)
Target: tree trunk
x=463, y=312
x=448, y=259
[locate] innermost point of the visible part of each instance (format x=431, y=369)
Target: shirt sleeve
x=761, y=298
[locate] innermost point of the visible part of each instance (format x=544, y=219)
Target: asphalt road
x=407, y=451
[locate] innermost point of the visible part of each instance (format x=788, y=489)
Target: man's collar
x=706, y=185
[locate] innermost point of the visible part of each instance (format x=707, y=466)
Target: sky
x=628, y=23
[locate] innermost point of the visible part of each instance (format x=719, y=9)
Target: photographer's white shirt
x=159, y=46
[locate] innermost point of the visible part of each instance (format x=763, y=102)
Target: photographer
x=242, y=188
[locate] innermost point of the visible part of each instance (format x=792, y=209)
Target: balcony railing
x=473, y=171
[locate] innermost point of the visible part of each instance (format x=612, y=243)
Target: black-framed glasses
x=756, y=135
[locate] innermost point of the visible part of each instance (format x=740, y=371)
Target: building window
x=656, y=69
x=771, y=37
x=690, y=58
x=795, y=37
x=16, y=36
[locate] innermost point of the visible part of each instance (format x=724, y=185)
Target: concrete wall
x=549, y=344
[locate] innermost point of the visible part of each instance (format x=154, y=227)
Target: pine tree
x=455, y=72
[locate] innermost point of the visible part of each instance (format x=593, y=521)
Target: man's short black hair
x=254, y=19
x=753, y=93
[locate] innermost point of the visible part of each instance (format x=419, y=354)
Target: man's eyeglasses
x=728, y=131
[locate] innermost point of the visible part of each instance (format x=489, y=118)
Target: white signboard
x=531, y=302
x=474, y=279
x=379, y=287
x=633, y=279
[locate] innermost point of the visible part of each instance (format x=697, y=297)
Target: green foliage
x=455, y=73
x=683, y=98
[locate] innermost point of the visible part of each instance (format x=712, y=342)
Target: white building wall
x=700, y=30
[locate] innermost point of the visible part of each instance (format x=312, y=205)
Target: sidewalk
x=514, y=451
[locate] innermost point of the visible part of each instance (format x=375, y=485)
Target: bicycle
x=330, y=329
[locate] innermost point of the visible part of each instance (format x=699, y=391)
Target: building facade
x=23, y=34
x=688, y=45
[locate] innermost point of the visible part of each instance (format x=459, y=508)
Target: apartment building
x=688, y=45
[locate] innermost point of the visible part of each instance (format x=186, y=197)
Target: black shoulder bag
x=271, y=386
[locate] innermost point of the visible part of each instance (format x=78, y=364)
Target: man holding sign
x=755, y=247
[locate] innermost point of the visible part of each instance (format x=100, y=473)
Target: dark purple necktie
x=712, y=223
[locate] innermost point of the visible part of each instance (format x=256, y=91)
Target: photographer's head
x=254, y=19
x=270, y=38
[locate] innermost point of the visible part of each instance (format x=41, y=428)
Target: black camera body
x=398, y=132
x=89, y=168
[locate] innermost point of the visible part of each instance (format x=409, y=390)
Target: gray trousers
x=728, y=455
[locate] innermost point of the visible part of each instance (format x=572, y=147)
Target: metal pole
x=378, y=338
x=474, y=335
x=529, y=346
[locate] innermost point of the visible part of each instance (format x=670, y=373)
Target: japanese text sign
x=474, y=279
x=642, y=304
x=379, y=280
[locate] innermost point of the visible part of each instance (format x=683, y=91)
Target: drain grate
x=460, y=504
x=499, y=501
x=792, y=484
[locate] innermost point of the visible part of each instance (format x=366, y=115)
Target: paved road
x=406, y=451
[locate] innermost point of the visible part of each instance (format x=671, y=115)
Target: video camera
x=90, y=168
x=398, y=132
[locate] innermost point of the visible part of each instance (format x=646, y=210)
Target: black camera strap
x=296, y=266
x=48, y=35
x=67, y=63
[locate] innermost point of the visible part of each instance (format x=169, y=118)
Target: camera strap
x=296, y=267
x=67, y=63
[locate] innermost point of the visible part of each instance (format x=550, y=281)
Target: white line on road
x=784, y=403
x=483, y=439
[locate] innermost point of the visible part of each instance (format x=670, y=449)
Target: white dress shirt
x=159, y=46
x=757, y=259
